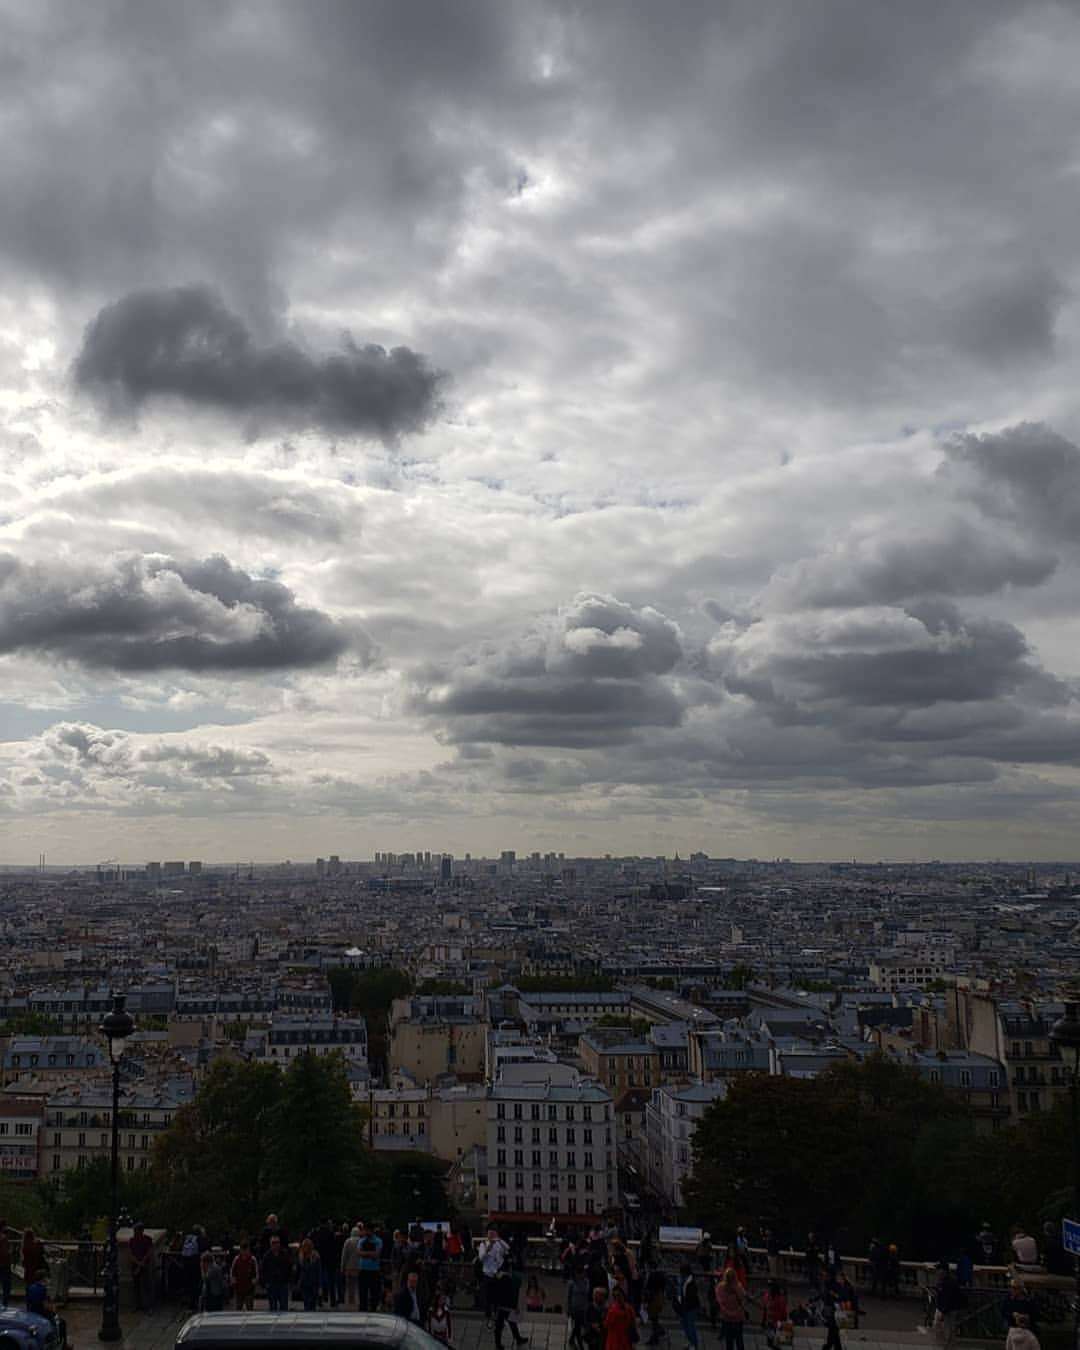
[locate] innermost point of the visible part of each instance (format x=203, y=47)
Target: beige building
x=445, y=1121
x=1017, y=1034
x=618, y=1059
x=430, y=1037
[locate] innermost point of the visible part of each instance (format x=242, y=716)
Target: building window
x=500, y=1111
x=538, y=1204
x=965, y=1078
x=500, y=1134
x=519, y=1204
x=502, y=1202
x=553, y=1136
x=519, y=1181
x=502, y=1182
x=519, y=1157
x=518, y=1113
x=570, y=1139
x=553, y=1159
x=534, y=1111
x=586, y=1136
x=536, y=1134
x=519, y=1134
x=588, y=1181
x=1021, y=1101
x=571, y=1206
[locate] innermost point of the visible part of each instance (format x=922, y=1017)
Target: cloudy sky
x=612, y=426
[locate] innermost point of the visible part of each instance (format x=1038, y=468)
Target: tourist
x=731, y=1308
x=243, y=1277
x=275, y=1275
x=620, y=1324
x=309, y=1275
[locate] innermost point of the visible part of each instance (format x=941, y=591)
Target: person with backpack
x=243, y=1277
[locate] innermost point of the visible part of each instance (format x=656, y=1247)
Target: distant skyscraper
x=446, y=867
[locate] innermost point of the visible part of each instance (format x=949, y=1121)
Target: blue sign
x=1070, y=1236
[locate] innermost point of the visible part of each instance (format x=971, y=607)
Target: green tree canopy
x=853, y=1152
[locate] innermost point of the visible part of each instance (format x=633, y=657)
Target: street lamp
x=1066, y=1034
x=116, y=1027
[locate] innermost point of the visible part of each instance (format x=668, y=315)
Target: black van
x=302, y=1331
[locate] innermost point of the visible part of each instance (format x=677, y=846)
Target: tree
x=318, y=1162
x=370, y=993
x=443, y=988
x=210, y=1167
x=85, y=1196
x=740, y=976
x=415, y=1189
x=866, y=1147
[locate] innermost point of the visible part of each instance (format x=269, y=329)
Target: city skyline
x=623, y=429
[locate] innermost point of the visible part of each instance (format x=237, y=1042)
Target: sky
x=602, y=427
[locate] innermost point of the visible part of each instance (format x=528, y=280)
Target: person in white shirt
x=491, y=1254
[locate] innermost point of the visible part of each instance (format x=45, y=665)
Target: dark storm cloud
x=143, y=613
x=184, y=343
x=957, y=559
x=593, y=677
x=1026, y=473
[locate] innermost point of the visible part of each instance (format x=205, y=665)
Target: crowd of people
x=615, y=1296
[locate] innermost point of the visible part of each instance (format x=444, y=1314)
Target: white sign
x=680, y=1237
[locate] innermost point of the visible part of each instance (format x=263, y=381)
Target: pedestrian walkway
x=888, y=1326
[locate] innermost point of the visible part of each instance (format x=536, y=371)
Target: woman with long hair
x=309, y=1275
x=731, y=1308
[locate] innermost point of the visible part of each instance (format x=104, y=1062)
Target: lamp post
x=116, y=1027
x=1066, y=1034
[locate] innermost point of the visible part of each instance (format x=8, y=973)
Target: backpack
x=191, y=1245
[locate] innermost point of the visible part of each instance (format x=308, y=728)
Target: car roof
x=365, y=1331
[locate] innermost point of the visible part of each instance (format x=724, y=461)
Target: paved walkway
x=887, y=1326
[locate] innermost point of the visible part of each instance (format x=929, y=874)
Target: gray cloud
x=184, y=343
x=955, y=559
x=1027, y=473
x=929, y=652
x=592, y=677
x=136, y=614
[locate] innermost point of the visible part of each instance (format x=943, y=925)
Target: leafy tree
x=442, y=988
x=318, y=1161
x=739, y=976
x=211, y=1166
x=867, y=1146
x=85, y=1197
x=370, y=994
x=414, y=1189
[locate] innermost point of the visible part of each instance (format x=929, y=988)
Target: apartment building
x=21, y=1121
x=671, y=1118
x=78, y=1122
x=551, y=1151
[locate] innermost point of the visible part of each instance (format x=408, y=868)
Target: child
x=440, y=1321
